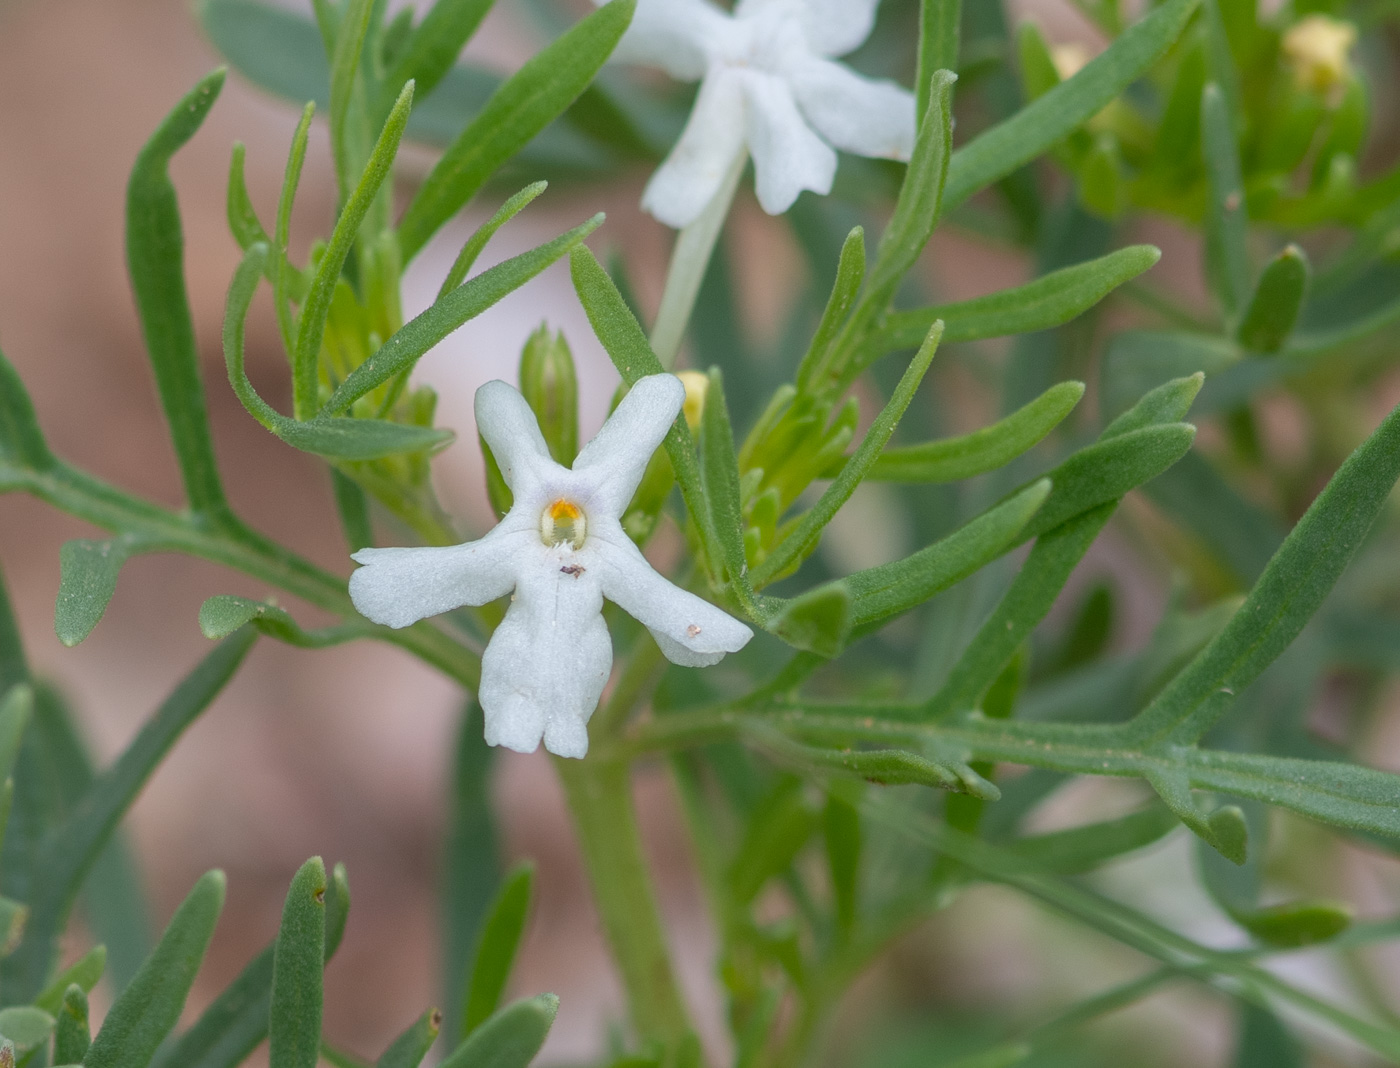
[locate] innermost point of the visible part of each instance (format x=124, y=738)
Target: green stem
x=237, y=547
x=600, y=798
x=633, y=684
x=689, y=261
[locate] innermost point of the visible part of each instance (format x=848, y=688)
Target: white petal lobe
x=690, y=631
x=398, y=587
x=691, y=175
x=617, y=457
x=787, y=156
x=868, y=118
x=510, y=428
x=545, y=667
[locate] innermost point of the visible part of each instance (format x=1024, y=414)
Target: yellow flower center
x=563, y=523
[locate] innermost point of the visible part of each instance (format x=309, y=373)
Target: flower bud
x=695, y=386
x=1318, y=49
x=549, y=385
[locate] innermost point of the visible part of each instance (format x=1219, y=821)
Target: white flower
x=559, y=551
x=768, y=84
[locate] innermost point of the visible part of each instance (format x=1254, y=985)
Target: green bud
x=550, y=387
x=1277, y=299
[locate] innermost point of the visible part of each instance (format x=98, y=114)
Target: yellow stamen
x=695, y=386
x=562, y=523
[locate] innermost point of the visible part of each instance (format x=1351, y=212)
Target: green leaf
x=228, y=1031
x=938, y=46
x=1107, y=470
x=1082, y=849
x=325, y=435
x=1029, y=598
x=719, y=472
x=1226, y=223
x=842, y=834
x=433, y=46
x=510, y=1038
x=282, y=273
x=22, y=446
x=312, y=325
x=294, y=1028
x=882, y=592
x=850, y=273
x=272, y=47
x=1225, y=829
x=818, y=621
x=528, y=101
x=85, y=972
x=243, y=221
x=1292, y=588
x=407, y=346
x=800, y=542
x=1051, y=300
x=409, y=1049
x=150, y=1006
x=1273, y=310
x=499, y=941
x=72, y=1035
x=155, y=259
x=888, y=767
x=1046, y=121
x=1296, y=923
x=471, y=864
x=16, y=708
x=483, y=233
x=777, y=829
x=220, y=616
x=25, y=1026
x=954, y=459
x=87, y=579
x=70, y=851
x=1167, y=403
x=352, y=25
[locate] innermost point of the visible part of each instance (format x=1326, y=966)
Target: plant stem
x=632, y=685
x=689, y=260
x=600, y=798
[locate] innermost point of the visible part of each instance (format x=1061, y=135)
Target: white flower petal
x=510, y=428
x=787, y=156
x=676, y=35
x=690, y=631
x=615, y=460
x=692, y=174
x=398, y=587
x=856, y=114
x=832, y=27
x=547, y=663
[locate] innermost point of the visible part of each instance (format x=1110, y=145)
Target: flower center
x=563, y=523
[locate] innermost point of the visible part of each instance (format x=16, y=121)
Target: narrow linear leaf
x=408, y=345
x=1289, y=592
x=155, y=260
x=501, y=932
x=235, y=1023
x=26, y=1026
x=1051, y=300
x=1030, y=597
x=85, y=972
x=1083, y=849
x=1278, y=298
x=483, y=234
x=433, y=46
x=72, y=1034
x=528, y=101
x=71, y=850
x=149, y=1007
x=312, y=325
x=719, y=470
x=294, y=1028
x=87, y=579
x=220, y=616
x=939, y=22
x=22, y=445
x=510, y=1038
x=850, y=273
x=352, y=26
x=324, y=435
x=888, y=590
x=243, y=222
x=409, y=1049
x=1049, y=119
x=954, y=459
x=1167, y=403
x=853, y=473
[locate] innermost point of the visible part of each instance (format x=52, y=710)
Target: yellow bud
x=1069, y=59
x=1318, y=48
x=695, y=386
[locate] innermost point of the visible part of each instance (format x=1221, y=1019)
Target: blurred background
x=345, y=752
